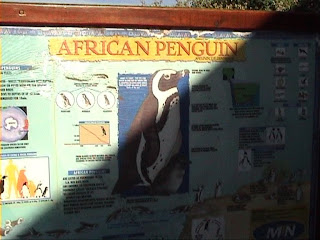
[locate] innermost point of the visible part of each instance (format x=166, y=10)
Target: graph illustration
x=94, y=133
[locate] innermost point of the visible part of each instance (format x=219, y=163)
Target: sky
x=95, y=2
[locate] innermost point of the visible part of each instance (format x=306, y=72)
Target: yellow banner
x=119, y=48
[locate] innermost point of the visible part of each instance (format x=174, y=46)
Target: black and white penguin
x=218, y=189
x=2, y=185
x=25, y=190
x=150, y=156
x=45, y=191
x=299, y=193
x=38, y=191
x=198, y=191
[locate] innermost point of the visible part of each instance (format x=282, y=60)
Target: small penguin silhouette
x=245, y=160
x=86, y=100
x=44, y=193
x=272, y=135
x=218, y=189
x=38, y=191
x=302, y=51
x=199, y=194
x=106, y=100
x=279, y=135
x=66, y=101
x=104, y=133
x=299, y=193
x=2, y=185
x=272, y=175
x=25, y=190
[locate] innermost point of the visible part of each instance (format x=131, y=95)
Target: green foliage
x=157, y=3
x=269, y=5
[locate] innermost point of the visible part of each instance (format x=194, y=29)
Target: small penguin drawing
x=38, y=191
x=299, y=193
x=8, y=224
x=272, y=136
x=30, y=233
x=181, y=209
x=271, y=176
x=198, y=191
x=2, y=185
x=4, y=231
x=104, y=133
x=218, y=189
x=66, y=101
x=16, y=222
x=86, y=227
x=45, y=192
x=25, y=190
x=57, y=233
x=86, y=100
x=303, y=51
x=150, y=157
x=245, y=163
x=106, y=100
x=279, y=136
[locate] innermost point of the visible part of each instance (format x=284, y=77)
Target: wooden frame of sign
x=18, y=14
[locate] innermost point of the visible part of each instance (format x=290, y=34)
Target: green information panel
x=156, y=134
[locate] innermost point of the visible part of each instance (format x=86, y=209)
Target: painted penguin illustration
x=279, y=135
x=272, y=176
x=45, y=191
x=57, y=233
x=272, y=135
x=38, y=191
x=181, y=209
x=104, y=133
x=299, y=193
x=30, y=234
x=4, y=231
x=218, y=189
x=303, y=51
x=208, y=229
x=142, y=210
x=66, y=101
x=198, y=191
x=117, y=214
x=16, y=222
x=150, y=155
x=86, y=227
x=245, y=161
x=106, y=100
x=86, y=100
x=2, y=185
x=25, y=190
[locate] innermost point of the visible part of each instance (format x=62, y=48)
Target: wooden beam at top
x=150, y=17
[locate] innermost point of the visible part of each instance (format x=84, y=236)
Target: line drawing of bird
x=86, y=100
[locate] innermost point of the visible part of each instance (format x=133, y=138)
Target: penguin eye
x=166, y=76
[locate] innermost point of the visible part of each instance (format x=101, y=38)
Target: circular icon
x=65, y=100
x=106, y=100
x=85, y=100
x=15, y=124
